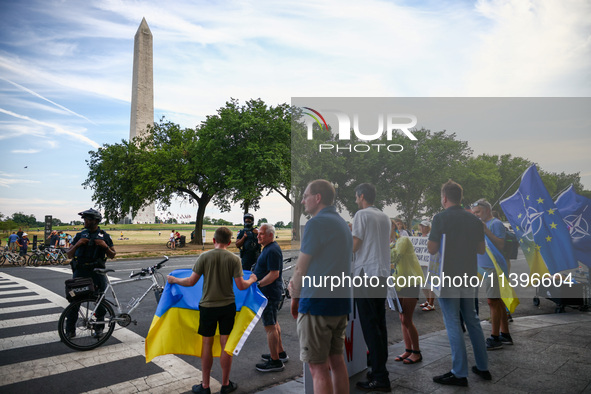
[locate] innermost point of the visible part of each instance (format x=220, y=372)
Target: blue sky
x=66, y=67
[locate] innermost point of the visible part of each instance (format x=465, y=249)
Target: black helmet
x=92, y=214
x=248, y=216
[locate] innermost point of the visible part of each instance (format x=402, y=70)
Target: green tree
x=279, y=224
x=24, y=220
x=261, y=221
x=479, y=178
x=254, y=139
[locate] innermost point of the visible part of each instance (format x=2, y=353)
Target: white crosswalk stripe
x=30, y=320
x=176, y=375
x=18, y=299
x=25, y=308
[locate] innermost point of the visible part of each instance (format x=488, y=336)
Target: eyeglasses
x=479, y=203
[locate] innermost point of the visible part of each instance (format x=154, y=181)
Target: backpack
x=511, y=246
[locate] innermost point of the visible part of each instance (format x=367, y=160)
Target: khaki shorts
x=491, y=286
x=320, y=336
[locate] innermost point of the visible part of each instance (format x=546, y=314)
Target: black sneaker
x=493, y=343
x=506, y=339
x=70, y=334
x=451, y=380
x=98, y=333
x=199, y=389
x=374, y=385
x=282, y=356
x=231, y=386
x=271, y=366
x=483, y=374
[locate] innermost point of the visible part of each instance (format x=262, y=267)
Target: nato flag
x=576, y=212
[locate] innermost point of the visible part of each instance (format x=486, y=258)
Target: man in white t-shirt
x=371, y=248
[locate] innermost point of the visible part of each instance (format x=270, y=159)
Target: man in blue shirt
x=494, y=232
x=12, y=238
x=326, y=251
x=269, y=267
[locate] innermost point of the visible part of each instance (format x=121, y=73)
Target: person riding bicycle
x=90, y=249
x=247, y=242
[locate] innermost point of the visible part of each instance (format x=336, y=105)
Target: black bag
x=511, y=246
x=78, y=288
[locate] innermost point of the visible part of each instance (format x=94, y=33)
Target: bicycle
x=95, y=317
x=37, y=257
x=177, y=244
x=285, y=291
x=13, y=258
x=56, y=256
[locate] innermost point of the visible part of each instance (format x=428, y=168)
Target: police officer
x=90, y=249
x=247, y=242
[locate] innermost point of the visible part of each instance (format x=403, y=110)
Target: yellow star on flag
x=548, y=238
x=553, y=225
x=540, y=200
x=519, y=216
x=538, y=247
x=551, y=211
x=527, y=198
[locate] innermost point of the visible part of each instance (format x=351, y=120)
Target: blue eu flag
x=540, y=222
x=576, y=212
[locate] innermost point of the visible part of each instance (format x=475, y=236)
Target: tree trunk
x=201, y=205
x=297, y=215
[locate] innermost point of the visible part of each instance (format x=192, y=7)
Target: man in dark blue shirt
x=464, y=240
x=322, y=314
x=269, y=267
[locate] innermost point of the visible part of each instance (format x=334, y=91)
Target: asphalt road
x=36, y=344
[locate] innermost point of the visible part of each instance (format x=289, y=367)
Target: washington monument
x=142, y=99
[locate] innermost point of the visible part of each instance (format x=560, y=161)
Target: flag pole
x=505, y=192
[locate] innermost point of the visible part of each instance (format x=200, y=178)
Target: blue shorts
x=270, y=313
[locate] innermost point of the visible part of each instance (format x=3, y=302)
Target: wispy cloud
x=46, y=99
x=25, y=151
x=57, y=129
x=7, y=182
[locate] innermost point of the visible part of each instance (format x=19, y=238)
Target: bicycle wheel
x=169, y=245
x=2, y=260
x=82, y=329
x=22, y=260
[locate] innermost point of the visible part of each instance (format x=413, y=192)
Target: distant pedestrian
x=23, y=243
x=12, y=238
x=172, y=240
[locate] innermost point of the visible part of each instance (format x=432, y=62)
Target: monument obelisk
x=142, y=99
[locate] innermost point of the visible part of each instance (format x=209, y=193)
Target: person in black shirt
x=90, y=249
x=247, y=242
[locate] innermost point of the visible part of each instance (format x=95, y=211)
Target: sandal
x=424, y=304
x=409, y=361
x=402, y=357
x=428, y=308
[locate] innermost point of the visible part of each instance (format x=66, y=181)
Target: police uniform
x=90, y=256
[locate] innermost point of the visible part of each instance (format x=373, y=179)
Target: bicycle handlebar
x=149, y=270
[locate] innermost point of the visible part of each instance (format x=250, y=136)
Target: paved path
x=552, y=354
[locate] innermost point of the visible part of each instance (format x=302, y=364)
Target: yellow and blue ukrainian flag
x=175, y=324
x=539, y=226
x=507, y=292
